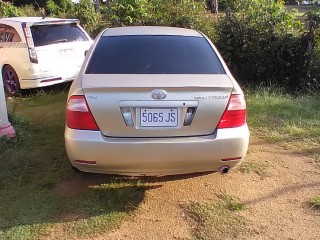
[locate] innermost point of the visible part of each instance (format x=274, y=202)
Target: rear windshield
x=154, y=55
x=56, y=33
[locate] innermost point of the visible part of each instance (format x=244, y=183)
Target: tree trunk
x=97, y=6
x=213, y=6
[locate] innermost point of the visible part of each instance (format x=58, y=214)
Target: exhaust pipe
x=224, y=169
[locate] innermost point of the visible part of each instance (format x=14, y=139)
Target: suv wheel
x=10, y=81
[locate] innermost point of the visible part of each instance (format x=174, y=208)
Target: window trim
x=9, y=29
x=220, y=67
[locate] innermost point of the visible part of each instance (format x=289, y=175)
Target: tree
x=213, y=6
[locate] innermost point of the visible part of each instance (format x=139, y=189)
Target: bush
x=129, y=12
x=9, y=10
x=312, y=39
x=29, y=10
x=175, y=13
x=262, y=42
x=265, y=45
x=84, y=11
x=186, y=14
x=90, y=20
x=60, y=8
x=228, y=4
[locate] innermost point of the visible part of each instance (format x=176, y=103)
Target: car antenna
x=43, y=13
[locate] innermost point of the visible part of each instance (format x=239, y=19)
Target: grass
x=218, y=220
x=256, y=167
x=302, y=10
x=315, y=203
x=35, y=162
x=293, y=121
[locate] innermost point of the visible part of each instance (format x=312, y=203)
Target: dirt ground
x=276, y=193
x=276, y=199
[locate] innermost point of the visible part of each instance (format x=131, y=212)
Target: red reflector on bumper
x=231, y=159
x=85, y=162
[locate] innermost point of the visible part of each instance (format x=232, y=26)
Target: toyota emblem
x=158, y=94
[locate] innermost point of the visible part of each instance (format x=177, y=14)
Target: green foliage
x=129, y=12
x=90, y=20
x=315, y=203
x=34, y=167
x=256, y=167
x=186, y=14
x=218, y=220
x=228, y=4
x=59, y=8
x=84, y=11
x=288, y=120
x=231, y=203
x=312, y=39
x=177, y=13
x=30, y=11
x=52, y=7
x=312, y=80
x=269, y=16
x=9, y=10
x=263, y=44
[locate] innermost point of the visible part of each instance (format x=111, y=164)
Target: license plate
x=158, y=117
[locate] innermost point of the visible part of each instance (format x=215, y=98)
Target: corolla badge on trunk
x=158, y=94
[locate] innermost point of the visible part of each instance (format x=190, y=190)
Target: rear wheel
x=79, y=173
x=10, y=81
x=75, y=169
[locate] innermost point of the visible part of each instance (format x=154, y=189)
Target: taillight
x=79, y=115
x=30, y=43
x=33, y=55
x=235, y=113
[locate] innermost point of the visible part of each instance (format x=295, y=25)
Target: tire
x=75, y=169
x=10, y=81
x=79, y=173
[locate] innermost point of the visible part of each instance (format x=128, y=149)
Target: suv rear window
x=154, y=55
x=56, y=33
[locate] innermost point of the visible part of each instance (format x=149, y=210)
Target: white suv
x=37, y=52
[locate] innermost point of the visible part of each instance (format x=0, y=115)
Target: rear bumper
x=156, y=156
x=35, y=77
x=43, y=82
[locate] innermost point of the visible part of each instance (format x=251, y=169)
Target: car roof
x=34, y=19
x=150, y=30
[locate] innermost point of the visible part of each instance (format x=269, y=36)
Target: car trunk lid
x=113, y=96
x=65, y=59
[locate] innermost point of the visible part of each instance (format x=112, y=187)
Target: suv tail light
x=30, y=43
x=79, y=115
x=33, y=55
x=235, y=113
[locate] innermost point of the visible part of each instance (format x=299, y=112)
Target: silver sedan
x=155, y=101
